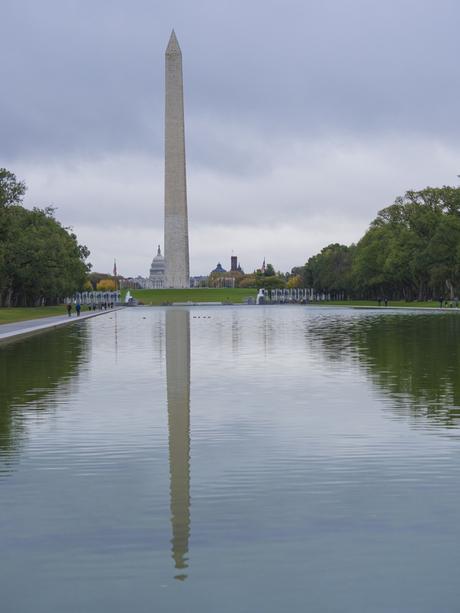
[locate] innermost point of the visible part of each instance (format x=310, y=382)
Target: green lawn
x=237, y=295
x=162, y=296
x=11, y=315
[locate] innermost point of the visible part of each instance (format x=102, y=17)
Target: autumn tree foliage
x=106, y=285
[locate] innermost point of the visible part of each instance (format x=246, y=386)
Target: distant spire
x=173, y=45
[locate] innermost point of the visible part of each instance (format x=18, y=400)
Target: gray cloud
x=309, y=195
x=88, y=76
x=299, y=114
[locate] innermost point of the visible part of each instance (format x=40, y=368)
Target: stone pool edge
x=44, y=326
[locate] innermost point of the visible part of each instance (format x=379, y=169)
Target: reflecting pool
x=232, y=459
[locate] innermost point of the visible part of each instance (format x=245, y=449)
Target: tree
x=294, y=281
x=273, y=282
x=247, y=281
x=95, y=277
x=106, y=285
x=330, y=270
x=11, y=190
x=411, y=249
x=41, y=262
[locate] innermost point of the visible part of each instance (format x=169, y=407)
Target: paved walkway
x=29, y=326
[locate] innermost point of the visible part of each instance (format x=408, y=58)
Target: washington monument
x=177, y=273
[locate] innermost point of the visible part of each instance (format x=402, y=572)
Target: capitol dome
x=157, y=270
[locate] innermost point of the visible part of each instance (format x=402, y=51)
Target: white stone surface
x=176, y=222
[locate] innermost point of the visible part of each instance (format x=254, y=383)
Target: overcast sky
x=303, y=119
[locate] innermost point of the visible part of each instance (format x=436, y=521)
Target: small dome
x=218, y=269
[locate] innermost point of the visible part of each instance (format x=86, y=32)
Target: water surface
x=232, y=459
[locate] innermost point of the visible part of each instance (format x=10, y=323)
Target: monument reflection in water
x=178, y=392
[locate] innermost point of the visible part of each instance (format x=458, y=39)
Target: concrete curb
x=42, y=325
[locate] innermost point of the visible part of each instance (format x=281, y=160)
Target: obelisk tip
x=173, y=45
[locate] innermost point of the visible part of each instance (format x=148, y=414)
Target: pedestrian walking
x=78, y=309
x=69, y=309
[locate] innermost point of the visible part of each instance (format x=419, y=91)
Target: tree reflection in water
x=415, y=358
x=31, y=371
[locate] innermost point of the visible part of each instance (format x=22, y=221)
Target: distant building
x=141, y=282
x=234, y=266
x=224, y=282
x=218, y=269
x=200, y=281
x=157, y=271
x=132, y=282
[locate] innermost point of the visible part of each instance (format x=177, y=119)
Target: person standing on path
x=78, y=308
x=69, y=309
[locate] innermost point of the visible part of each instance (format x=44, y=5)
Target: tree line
x=411, y=251
x=41, y=261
